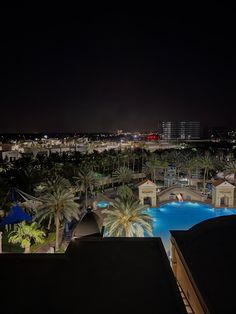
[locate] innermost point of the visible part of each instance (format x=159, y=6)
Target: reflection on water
x=182, y=216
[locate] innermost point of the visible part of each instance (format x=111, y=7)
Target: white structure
x=82, y=148
x=55, y=150
x=147, y=193
x=175, y=193
x=222, y=194
x=65, y=150
x=11, y=155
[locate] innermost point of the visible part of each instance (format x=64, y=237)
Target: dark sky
x=83, y=70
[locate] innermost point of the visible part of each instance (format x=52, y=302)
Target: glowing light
x=152, y=137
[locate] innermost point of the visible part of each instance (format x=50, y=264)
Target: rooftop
x=108, y=275
x=209, y=255
x=90, y=224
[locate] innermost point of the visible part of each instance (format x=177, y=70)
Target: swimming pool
x=102, y=204
x=182, y=216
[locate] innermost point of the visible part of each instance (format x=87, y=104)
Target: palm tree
x=163, y=164
x=152, y=166
x=142, y=146
x=28, y=177
x=178, y=159
x=24, y=234
x=207, y=164
x=231, y=168
x=123, y=174
x=150, y=169
x=113, y=160
x=52, y=184
x=58, y=203
x=86, y=180
x=124, y=192
x=126, y=157
x=5, y=166
x=190, y=165
x=134, y=158
x=127, y=218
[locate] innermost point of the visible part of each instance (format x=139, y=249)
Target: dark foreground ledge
x=108, y=275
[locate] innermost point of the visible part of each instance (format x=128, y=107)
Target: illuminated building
x=184, y=130
x=152, y=137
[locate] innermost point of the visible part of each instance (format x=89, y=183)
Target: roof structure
x=95, y=275
x=15, y=216
x=209, y=257
x=217, y=182
x=146, y=182
x=221, y=182
x=89, y=224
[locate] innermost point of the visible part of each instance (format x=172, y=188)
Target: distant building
x=152, y=137
x=219, y=133
x=185, y=130
x=7, y=146
x=119, y=132
x=10, y=155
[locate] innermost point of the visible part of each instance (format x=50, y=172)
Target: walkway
x=186, y=193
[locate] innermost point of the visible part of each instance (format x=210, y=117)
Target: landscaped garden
x=56, y=190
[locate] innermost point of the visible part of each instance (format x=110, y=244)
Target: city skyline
x=98, y=71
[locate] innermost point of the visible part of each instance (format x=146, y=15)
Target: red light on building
x=152, y=137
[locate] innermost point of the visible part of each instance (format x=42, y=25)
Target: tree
x=124, y=192
x=58, y=203
x=191, y=165
x=86, y=180
x=5, y=201
x=52, y=184
x=127, y=218
x=133, y=158
x=207, y=164
x=231, y=168
x=178, y=159
x=5, y=166
x=123, y=174
x=24, y=234
x=28, y=177
x=152, y=166
x=142, y=146
x=127, y=153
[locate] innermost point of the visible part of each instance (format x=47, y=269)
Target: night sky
x=101, y=70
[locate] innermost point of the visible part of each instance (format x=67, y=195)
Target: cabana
x=15, y=216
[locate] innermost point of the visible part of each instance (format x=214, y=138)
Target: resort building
x=185, y=130
x=203, y=261
x=147, y=193
x=170, y=176
x=10, y=155
x=222, y=194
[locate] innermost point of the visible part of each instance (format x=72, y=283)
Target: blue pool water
x=182, y=216
x=102, y=204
